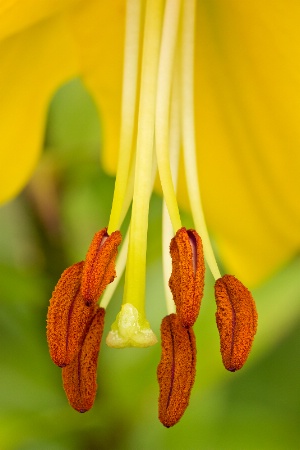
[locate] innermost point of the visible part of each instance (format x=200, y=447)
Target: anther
x=236, y=320
x=80, y=376
x=176, y=370
x=187, y=278
x=67, y=317
x=99, y=266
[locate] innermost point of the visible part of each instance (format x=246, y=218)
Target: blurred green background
x=49, y=227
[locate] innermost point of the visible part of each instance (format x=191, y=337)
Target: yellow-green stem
x=129, y=93
x=188, y=130
x=167, y=229
x=165, y=74
x=120, y=266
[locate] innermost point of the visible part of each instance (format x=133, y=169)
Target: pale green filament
x=164, y=82
x=167, y=230
x=129, y=92
x=188, y=129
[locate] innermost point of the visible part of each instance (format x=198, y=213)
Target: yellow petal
x=248, y=112
x=33, y=64
x=99, y=34
x=16, y=15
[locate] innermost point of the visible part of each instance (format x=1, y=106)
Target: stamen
x=176, y=370
x=129, y=94
x=188, y=130
x=165, y=74
x=236, y=320
x=80, y=376
x=99, y=266
x=67, y=317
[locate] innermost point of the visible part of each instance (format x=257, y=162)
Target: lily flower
x=177, y=64
x=246, y=111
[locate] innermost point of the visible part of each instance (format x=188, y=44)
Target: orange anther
x=80, y=376
x=99, y=266
x=176, y=370
x=236, y=320
x=67, y=317
x=187, y=278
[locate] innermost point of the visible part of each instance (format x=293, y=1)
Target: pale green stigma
x=130, y=330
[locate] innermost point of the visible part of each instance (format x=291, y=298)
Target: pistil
x=136, y=262
x=134, y=291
